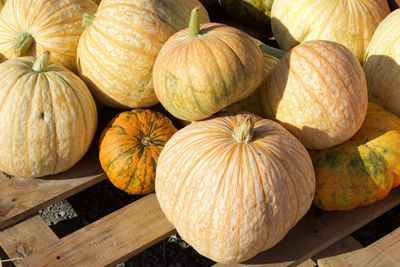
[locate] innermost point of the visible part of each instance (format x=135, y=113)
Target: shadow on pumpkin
x=393, y=5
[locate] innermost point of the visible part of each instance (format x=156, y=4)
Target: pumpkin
x=253, y=103
x=2, y=2
x=130, y=146
x=233, y=186
x=116, y=52
x=254, y=12
x=201, y=70
x=48, y=117
x=382, y=64
x=318, y=92
x=31, y=27
x=351, y=22
x=362, y=170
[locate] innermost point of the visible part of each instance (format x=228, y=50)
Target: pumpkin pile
x=267, y=131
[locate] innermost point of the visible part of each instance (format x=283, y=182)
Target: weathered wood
x=26, y=238
x=23, y=197
x=319, y=230
x=110, y=240
x=338, y=252
x=383, y=253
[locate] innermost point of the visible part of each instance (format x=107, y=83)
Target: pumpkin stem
x=243, y=131
x=194, y=23
x=23, y=43
x=88, y=19
x=41, y=62
x=146, y=141
x=272, y=51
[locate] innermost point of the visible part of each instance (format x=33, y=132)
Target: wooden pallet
x=319, y=238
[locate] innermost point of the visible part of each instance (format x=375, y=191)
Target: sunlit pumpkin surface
x=318, y=92
x=117, y=52
x=54, y=25
x=362, y=170
x=197, y=76
x=349, y=22
x=231, y=200
x=129, y=149
x=382, y=64
x=49, y=118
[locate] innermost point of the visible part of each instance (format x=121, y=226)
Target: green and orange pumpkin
x=129, y=149
x=201, y=70
x=362, y=170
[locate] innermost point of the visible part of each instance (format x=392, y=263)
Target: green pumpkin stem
x=272, y=51
x=194, y=23
x=243, y=131
x=41, y=62
x=88, y=19
x=23, y=43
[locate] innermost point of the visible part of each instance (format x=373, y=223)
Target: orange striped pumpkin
x=318, y=92
x=48, y=117
x=117, y=51
x=349, y=22
x=129, y=149
x=233, y=186
x=31, y=27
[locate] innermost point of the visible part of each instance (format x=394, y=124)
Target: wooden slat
x=112, y=239
x=383, y=253
x=338, y=252
x=341, y=249
x=22, y=197
x=319, y=230
x=26, y=238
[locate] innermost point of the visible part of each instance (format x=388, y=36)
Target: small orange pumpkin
x=129, y=149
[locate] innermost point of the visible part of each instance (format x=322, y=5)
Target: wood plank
x=319, y=230
x=22, y=197
x=110, y=240
x=337, y=253
x=383, y=253
x=26, y=238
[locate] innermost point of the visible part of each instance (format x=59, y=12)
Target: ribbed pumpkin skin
x=362, y=170
x=254, y=12
x=116, y=53
x=130, y=146
x=382, y=64
x=318, y=92
x=232, y=200
x=195, y=77
x=54, y=24
x=348, y=22
x=253, y=103
x=53, y=125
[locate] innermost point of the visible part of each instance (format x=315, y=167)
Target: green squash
x=253, y=12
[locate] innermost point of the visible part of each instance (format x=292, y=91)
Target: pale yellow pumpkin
x=318, y=92
x=48, y=117
x=31, y=27
x=117, y=51
x=349, y=22
x=233, y=186
x=382, y=64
